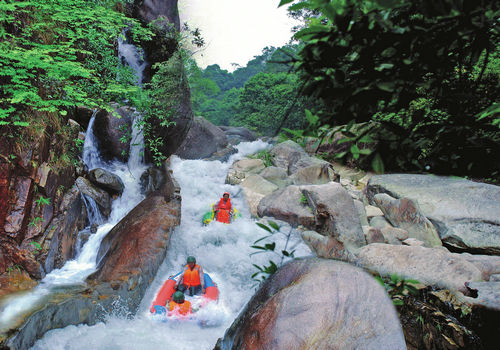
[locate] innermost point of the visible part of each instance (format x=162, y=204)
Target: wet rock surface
x=404, y=214
x=465, y=213
x=320, y=304
x=202, y=140
x=107, y=180
x=101, y=197
x=430, y=266
x=128, y=262
x=109, y=129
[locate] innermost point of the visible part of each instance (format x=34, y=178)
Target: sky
x=236, y=30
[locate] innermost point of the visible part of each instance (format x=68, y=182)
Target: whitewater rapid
x=224, y=251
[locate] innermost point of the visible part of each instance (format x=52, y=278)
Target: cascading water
x=131, y=55
x=223, y=251
x=93, y=212
x=75, y=271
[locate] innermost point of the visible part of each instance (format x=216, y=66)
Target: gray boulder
x=465, y=213
x=286, y=153
x=238, y=133
x=405, y=214
x=242, y=168
x=335, y=214
x=100, y=196
x=277, y=176
x=202, y=140
x=106, y=180
x=316, y=174
x=286, y=205
x=317, y=304
x=431, y=266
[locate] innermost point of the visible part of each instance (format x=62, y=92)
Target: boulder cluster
x=443, y=232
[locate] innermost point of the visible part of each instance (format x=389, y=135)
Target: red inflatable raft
x=167, y=290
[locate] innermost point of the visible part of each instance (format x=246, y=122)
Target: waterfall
x=132, y=56
x=91, y=156
x=76, y=271
x=93, y=212
x=222, y=250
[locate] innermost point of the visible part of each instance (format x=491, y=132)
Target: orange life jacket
x=192, y=277
x=223, y=216
x=223, y=205
x=182, y=309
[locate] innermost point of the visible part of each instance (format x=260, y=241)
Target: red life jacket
x=226, y=206
x=192, y=277
x=182, y=309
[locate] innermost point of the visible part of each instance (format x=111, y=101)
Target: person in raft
x=223, y=209
x=192, y=278
x=178, y=305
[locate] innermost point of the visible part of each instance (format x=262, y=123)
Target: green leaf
x=270, y=246
x=388, y=86
x=264, y=227
x=274, y=225
x=354, y=151
x=284, y=2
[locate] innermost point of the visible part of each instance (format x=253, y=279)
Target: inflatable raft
x=209, y=216
x=167, y=290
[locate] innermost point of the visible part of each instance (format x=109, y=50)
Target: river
x=224, y=251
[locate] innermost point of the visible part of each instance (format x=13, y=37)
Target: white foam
x=222, y=250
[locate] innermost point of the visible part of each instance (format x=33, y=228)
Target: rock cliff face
x=34, y=176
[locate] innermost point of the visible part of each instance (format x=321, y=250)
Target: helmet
x=225, y=194
x=178, y=297
x=191, y=259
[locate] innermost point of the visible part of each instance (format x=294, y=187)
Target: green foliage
x=165, y=96
x=58, y=54
x=426, y=73
x=265, y=101
x=303, y=200
x=14, y=267
x=397, y=287
x=36, y=246
x=264, y=156
x=222, y=97
x=35, y=221
x=265, y=271
x=42, y=201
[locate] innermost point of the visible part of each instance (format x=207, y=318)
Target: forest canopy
x=394, y=85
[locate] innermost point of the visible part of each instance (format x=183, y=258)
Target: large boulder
x=238, y=133
x=240, y=169
x=255, y=187
x=465, y=213
x=277, y=176
x=286, y=153
x=106, y=180
x=150, y=10
x=286, y=205
x=317, y=304
x=101, y=197
x=431, y=266
x=336, y=214
x=257, y=183
x=202, y=140
x=110, y=129
x=142, y=235
x=404, y=213
x=315, y=174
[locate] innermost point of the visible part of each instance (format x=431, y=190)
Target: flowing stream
x=222, y=250
x=76, y=271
